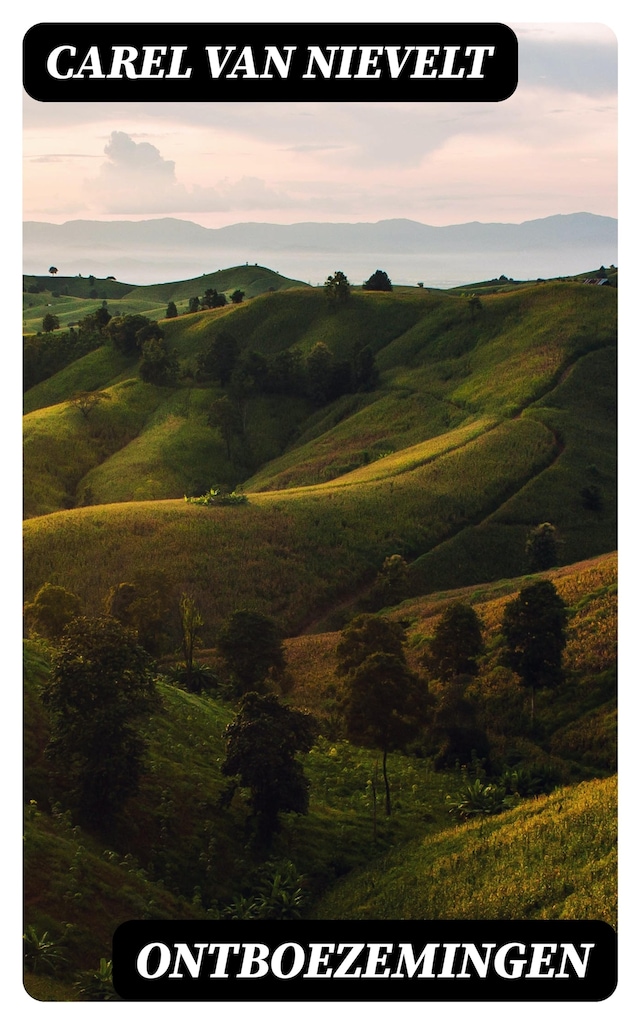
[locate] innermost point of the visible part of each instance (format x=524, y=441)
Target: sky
x=550, y=148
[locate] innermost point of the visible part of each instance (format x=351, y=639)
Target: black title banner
x=270, y=62
x=357, y=960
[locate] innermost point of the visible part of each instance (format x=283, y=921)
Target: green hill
x=483, y=424
x=71, y=298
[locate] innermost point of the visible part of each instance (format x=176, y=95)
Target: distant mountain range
x=168, y=248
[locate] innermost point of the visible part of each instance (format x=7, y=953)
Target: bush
x=215, y=496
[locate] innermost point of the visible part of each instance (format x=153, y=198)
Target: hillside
x=179, y=853
x=484, y=423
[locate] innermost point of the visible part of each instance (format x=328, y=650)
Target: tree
x=224, y=416
x=237, y=296
x=337, y=289
x=456, y=643
x=533, y=627
x=191, y=623
x=53, y=270
x=172, y=310
x=50, y=322
x=51, y=610
x=261, y=747
x=194, y=304
x=251, y=646
x=125, y=332
x=158, y=365
x=378, y=282
x=87, y=401
x=384, y=707
x=320, y=367
x=542, y=547
x=145, y=603
x=365, y=635
x=220, y=358
x=391, y=583
x=100, y=691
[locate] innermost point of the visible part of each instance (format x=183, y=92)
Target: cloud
x=136, y=178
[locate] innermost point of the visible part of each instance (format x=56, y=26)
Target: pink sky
x=550, y=148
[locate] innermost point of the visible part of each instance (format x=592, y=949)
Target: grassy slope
x=481, y=428
x=73, y=300
x=553, y=857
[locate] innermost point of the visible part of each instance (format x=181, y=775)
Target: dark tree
x=364, y=372
x=320, y=367
x=191, y=623
x=457, y=643
x=455, y=728
x=145, y=603
x=391, y=584
x=51, y=610
x=385, y=707
x=158, y=365
x=212, y=299
x=220, y=358
x=542, y=547
x=592, y=500
x=224, y=416
x=194, y=304
x=365, y=635
x=100, y=691
x=123, y=332
x=337, y=289
x=237, y=296
x=172, y=310
x=50, y=322
x=251, y=646
x=262, y=743
x=53, y=270
x=378, y=282
x=534, y=631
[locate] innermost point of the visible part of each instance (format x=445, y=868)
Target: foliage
x=145, y=604
x=97, y=986
x=534, y=629
x=378, y=282
x=457, y=642
x=218, y=361
x=542, y=547
x=50, y=322
x=261, y=747
x=42, y=952
x=237, y=296
x=197, y=678
x=366, y=635
x=476, y=798
x=101, y=688
x=337, y=289
x=279, y=896
x=127, y=333
x=191, y=623
x=172, y=310
x=391, y=584
x=251, y=645
x=216, y=496
x=51, y=610
x=384, y=707
x=158, y=365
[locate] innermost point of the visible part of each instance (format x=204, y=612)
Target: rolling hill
x=481, y=426
x=480, y=413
